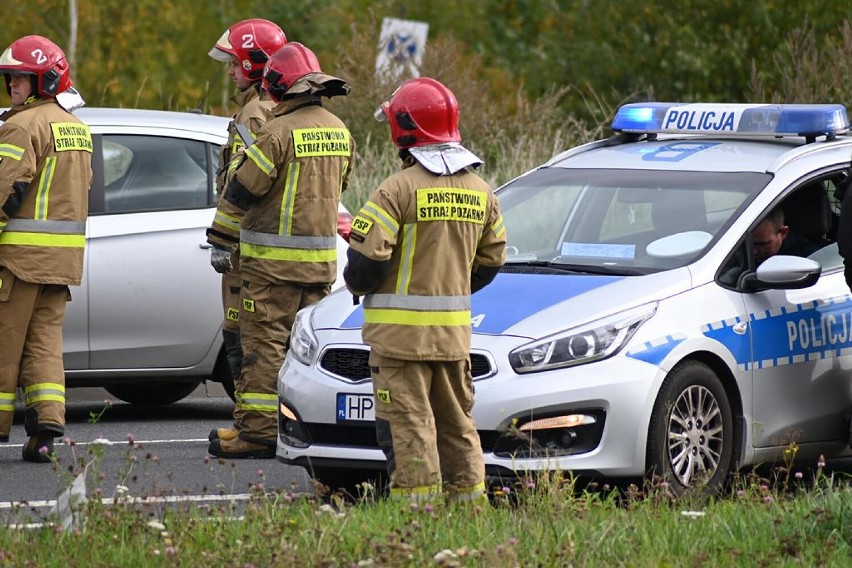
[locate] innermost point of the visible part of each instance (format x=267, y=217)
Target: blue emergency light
x=809, y=120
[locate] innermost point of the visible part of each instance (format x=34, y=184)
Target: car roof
x=191, y=121
x=695, y=153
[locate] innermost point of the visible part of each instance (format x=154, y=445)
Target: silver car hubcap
x=695, y=435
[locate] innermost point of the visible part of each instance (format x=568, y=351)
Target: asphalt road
x=167, y=460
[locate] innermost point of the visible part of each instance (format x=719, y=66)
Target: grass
x=790, y=519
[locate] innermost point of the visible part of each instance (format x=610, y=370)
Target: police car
x=631, y=331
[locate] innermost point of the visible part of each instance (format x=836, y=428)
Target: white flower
x=692, y=514
x=156, y=525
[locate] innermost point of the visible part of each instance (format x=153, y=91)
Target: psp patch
x=248, y=305
x=361, y=225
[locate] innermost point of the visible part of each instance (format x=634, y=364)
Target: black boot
x=39, y=448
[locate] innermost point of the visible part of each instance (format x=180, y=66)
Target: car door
x=153, y=299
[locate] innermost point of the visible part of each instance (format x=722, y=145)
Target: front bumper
x=609, y=401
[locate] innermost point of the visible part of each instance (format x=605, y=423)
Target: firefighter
x=428, y=237
x=246, y=47
x=288, y=183
x=45, y=174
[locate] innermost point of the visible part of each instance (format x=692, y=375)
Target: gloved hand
x=220, y=260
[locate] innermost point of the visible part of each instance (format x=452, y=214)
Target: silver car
x=146, y=321
x=632, y=330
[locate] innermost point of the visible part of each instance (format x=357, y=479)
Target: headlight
x=591, y=342
x=303, y=342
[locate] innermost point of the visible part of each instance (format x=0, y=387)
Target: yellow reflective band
x=309, y=142
x=406, y=262
x=422, y=493
x=261, y=161
x=7, y=401
x=382, y=217
x=43, y=386
x=406, y=317
x=499, y=228
x=7, y=408
x=232, y=314
x=226, y=221
x=451, y=204
x=43, y=240
x=7, y=396
x=43, y=194
x=11, y=151
x=361, y=225
x=1, y=287
x=42, y=392
x=258, y=401
x=291, y=184
x=287, y=254
x=248, y=305
x=3, y=224
x=69, y=136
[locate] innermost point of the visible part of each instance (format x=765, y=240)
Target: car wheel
x=350, y=481
x=691, y=436
x=222, y=374
x=152, y=393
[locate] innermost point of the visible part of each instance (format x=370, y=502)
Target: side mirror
x=783, y=272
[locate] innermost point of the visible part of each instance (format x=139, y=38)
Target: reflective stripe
x=43, y=194
x=226, y=221
x=294, y=255
x=258, y=401
x=469, y=494
x=47, y=226
x=406, y=317
x=381, y=216
x=420, y=303
x=406, y=263
x=7, y=401
x=343, y=174
x=11, y=151
x=42, y=392
x=45, y=233
x=2, y=224
x=420, y=494
x=287, y=241
x=498, y=227
x=259, y=158
x=291, y=184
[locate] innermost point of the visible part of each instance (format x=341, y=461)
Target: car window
x=151, y=173
x=644, y=219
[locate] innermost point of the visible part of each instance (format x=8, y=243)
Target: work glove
x=220, y=260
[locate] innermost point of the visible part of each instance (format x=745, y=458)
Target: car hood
x=533, y=305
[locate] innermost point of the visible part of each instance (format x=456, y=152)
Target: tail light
x=344, y=225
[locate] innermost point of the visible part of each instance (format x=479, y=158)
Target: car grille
x=351, y=364
x=349, y=435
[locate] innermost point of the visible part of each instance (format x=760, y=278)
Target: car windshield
x=620, y=221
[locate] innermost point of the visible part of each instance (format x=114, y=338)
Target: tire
x=222, y=374
x=691, y=435
x=153, y=392
x=349, y=481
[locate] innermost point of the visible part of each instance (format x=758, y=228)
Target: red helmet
x=288, y=65
x=40, y=57
x=422, y=111
x=251, y=43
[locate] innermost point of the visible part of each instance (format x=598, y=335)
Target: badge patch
x=233, y=314
x=248, y=305
x=362, y=225
x=383, y=395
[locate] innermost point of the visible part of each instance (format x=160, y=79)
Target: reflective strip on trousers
x=7, y=402
x=287, y=247
x=468, y=494
x=419, y=494
x=44, y=232
x=258, y=401
x=417, y=310
x=43, y=392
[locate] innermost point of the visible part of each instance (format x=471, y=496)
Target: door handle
x=205, y=246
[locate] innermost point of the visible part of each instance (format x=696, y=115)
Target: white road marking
x=135, y=500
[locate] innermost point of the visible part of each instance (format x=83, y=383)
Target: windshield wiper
x=574, y=268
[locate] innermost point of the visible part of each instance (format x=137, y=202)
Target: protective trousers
x=231, y=291
x=266, y=318
x=434, y=441
x=31, y=354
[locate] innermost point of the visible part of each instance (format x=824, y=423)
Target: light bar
x=807, y=120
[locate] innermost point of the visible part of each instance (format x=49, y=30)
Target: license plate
x=355, y=407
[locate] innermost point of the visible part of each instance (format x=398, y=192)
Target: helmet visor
x=223, y=50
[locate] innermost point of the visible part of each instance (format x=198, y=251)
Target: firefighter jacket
x=289, y=184
x=435, y=231
x=255, y=110
x=45, y=174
